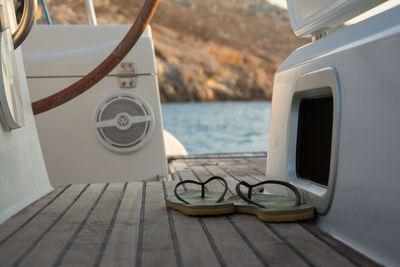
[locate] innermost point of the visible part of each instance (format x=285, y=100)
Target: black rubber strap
x=250, y=187
x=202, y=188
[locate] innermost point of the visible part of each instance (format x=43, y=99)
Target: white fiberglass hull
x=362, y=209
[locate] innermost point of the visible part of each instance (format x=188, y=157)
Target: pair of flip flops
x=267, y=207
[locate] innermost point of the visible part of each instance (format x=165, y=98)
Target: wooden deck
x=129, y=225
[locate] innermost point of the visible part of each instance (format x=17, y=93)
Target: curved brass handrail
x=26, y=23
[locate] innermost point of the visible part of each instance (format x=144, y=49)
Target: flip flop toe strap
x=250, y=188
x=202, y=184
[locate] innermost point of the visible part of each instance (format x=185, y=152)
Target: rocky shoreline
x=206, y=50
x=201, y=71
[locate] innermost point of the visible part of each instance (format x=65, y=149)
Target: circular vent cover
x=124, y=122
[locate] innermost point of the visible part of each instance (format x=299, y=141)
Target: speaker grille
x=124, y=122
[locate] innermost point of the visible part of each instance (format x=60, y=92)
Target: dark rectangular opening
x=314, y=139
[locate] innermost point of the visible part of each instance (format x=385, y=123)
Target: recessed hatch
x=314, y=139
x=313, y=136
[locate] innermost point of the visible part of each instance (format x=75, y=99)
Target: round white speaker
x=124, y=122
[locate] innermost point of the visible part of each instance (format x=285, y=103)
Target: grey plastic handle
x=26, y=23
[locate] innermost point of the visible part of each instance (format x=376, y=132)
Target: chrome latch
x=126, y=75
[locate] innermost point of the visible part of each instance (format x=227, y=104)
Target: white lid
x=313, y=16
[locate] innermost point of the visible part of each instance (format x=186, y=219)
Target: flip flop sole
x=280, y=208
x=203, y=210
x=277, y=216
x=200, y=206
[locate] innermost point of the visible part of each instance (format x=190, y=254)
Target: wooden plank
x=247, y=171
x=226, y=238
x=220, y=155
x=316, y=251
x=258, y=164
x=122, y=245
x=181, y=166
x=202, y=173
x=231, y=245
x=85, y=248
x=211, y=162
x=157, y=247
x=189, y=175
x=243, y=170
x=198, y=173
x=215, y=171
x=239, y=174
x=22, y=218
x=195, y=248
x=21, y=243
x=231, y=180
x=240, y=161
x=276, y=252
x=351, y=254
x=174, y=176
x=213, y=156
x=51, y=245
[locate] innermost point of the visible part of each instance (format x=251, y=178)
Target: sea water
x=219, y=127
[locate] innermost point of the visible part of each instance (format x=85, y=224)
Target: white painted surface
x=318, y=83
x=74, y=50
x=70, y=148
x=11, y=115
x=309, y=16
x=172, y=145
x=365, y=213
x=23, y=177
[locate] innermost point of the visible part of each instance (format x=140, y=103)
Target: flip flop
x=200, y=203
x=271, y=208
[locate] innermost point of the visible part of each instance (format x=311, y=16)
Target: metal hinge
x=319, y=34
x=126, y=75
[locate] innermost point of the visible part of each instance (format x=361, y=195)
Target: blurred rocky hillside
x=207, y=50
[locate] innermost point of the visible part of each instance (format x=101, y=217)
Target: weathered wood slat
x=269, y=245
x=239, y=174
x=227, y=238
x=20, y=220
x=316, y=251
x=349, y=253
x=258, y=164
x=157, y=248
x=199, y=173
x=203, y=173
x=56, y=240
x=129, y=224
x=240, y=171
x=185, y=172
x=195, y=248
x=231, y=179
x=21, y=243
x=85, y=248
x=220, y=155
x=231, y=245
x=255, y=167
x=122, y=245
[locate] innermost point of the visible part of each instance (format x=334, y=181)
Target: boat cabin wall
x=364, y=58
x=23, y=177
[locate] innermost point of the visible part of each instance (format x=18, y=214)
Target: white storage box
x=113, y=131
